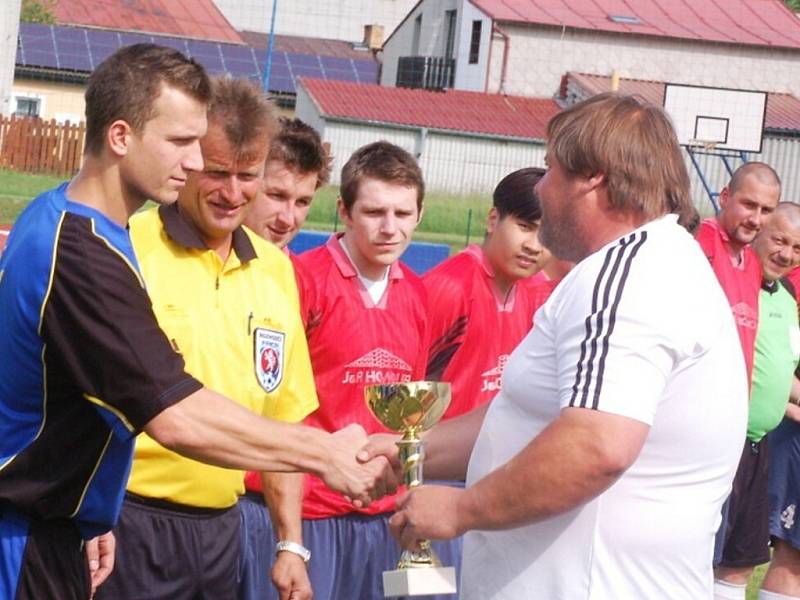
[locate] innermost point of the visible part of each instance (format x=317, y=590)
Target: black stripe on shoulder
x=602, y=319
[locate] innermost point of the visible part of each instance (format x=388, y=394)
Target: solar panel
x=72, y=48
x=279, y=70
x=29, y=29
x=176, y=43
x=299, y=71
x=278, y=58
x=235, y=52
x=99, y=53
x=241, y=68
x=211, y=63
x=40, y=44
x=128, y=39
x=305, y=60
x=200, y=48
x=335, y=62
x=37, y=58
x=102, y=38
x=75, y=62
x=70, y=34
x=341, y=75
x=281, y=84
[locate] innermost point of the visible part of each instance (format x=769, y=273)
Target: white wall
x=433, y=39
x=539, y=56
x=332, y=19
x=9, y=27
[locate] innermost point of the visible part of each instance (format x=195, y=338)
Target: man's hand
x=361, y=482
x=383, y=444
x=100, y=558
x=429, y=512
x=290, y=577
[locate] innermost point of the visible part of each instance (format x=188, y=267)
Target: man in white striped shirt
x=599, y=470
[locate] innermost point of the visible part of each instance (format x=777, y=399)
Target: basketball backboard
x=718, y=118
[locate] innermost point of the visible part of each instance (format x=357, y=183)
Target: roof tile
x=751, y=22
x=196, y=19
x=490, y=114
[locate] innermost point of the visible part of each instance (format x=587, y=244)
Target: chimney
x=373, y=36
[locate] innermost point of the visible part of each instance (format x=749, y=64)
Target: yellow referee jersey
x=237, y=325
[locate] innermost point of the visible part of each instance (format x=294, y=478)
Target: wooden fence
x=32, y=145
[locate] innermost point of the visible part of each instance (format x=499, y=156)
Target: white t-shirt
x=640, y=328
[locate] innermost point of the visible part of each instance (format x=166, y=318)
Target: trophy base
x=419, y=582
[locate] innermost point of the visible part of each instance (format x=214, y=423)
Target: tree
x=793, y=5
x=39, y=11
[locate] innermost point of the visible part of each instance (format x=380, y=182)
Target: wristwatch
x=294, y=548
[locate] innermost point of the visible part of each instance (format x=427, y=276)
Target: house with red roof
x=465, y=141
x=524, y=47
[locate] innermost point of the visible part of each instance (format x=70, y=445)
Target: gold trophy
x=411, y=408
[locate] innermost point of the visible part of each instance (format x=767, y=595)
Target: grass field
x=446, y=219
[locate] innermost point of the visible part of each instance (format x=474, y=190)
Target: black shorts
x=41, y=559
x=171, y=552
x=746, y=532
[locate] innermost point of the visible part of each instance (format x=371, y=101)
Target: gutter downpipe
x=506, y=49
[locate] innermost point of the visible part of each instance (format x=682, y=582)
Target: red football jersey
x=354, y=342
x=741, y=283
x=472, y=328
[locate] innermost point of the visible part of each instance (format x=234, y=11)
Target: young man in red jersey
x=477, y=311
x=367, y=324
x=745, y=204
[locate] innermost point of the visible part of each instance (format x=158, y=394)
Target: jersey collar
x=187, y=236
x=345, y=265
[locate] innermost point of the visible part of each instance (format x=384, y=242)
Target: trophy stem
x=411, y=456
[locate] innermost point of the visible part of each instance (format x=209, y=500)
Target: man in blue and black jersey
x=85, y=365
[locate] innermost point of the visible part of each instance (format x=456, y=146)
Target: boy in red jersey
x=477, y=311
x=366, y=324
x=745, y=203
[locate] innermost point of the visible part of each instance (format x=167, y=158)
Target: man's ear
x=491, y=220
x=724, y=196
x=596, y=180
x=118, y=137
x=344, y=216
x=421, y=212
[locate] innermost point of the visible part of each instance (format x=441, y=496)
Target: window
x=625, y=19
x=416, y=34
x=450, y=30
x=28, y=107
x=475, y=43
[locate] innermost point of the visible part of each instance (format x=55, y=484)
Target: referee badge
x=269, y=351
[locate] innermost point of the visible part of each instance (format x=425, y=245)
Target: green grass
x=446, y=219
x=755, y=582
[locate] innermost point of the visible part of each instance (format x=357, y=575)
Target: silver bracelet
x=294, y=548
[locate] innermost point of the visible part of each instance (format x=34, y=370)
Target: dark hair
x=633, y=145
x=515, y=196
x=299, y=147
x=126, y=85
x=382, y=161
x=244, y=113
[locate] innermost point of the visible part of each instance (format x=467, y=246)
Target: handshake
x=361, y=470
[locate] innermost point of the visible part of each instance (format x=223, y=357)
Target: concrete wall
x=539, y=56
x=332, y=19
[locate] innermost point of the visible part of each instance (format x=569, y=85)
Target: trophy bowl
x=411, y=406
